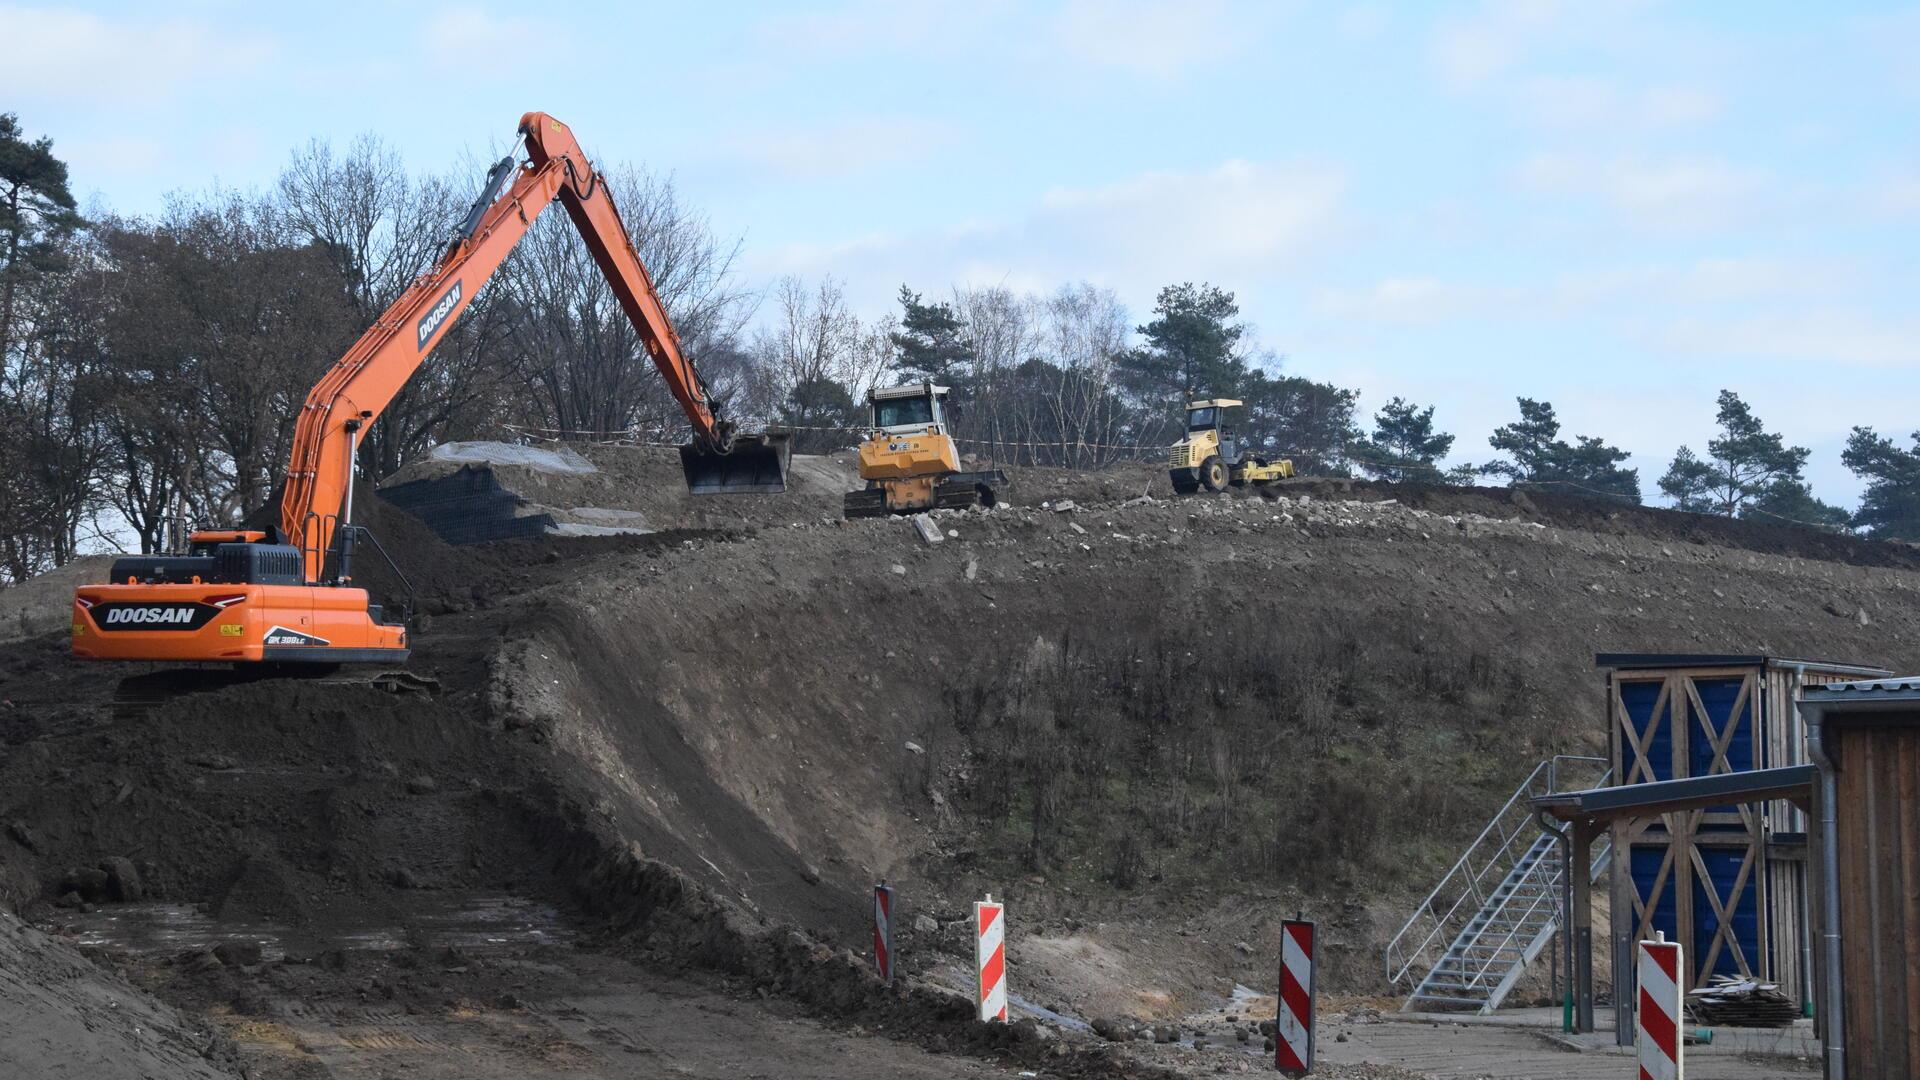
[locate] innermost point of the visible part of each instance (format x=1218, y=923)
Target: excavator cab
x=753, y=464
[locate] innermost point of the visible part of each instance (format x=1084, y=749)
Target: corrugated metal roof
x=1687, y=660
x=1903, y=686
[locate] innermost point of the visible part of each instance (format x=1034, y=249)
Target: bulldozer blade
x=757, y=463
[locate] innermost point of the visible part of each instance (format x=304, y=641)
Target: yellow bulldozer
x=908, y=460
x=1210, y=457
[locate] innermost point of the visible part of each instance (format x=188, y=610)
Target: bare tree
x=382, y=228
x=813, y=335
x=571, y=344
x=1085, y=329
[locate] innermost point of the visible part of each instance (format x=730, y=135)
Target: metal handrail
x=407, y=599
x=1464, y=881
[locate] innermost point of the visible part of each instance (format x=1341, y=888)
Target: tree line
x=151, y=366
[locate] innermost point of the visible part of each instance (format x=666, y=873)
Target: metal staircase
x=1495, y=911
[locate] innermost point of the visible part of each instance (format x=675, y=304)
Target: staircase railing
x=1478, y=873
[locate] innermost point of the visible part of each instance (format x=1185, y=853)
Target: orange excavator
x=286, y=595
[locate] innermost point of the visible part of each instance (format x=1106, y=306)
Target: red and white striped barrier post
x=883, y=932
x=1293, y=1026
x=1659, y=1016
x=990, y=931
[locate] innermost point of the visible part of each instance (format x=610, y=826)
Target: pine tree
x=1890, y=507
x=817, y=403
x=1192, y=350
x=1404, y=447
x=1792, y=501
x=36, y=212
x=929, y=346
x=1531, y=443
x=1748, y=469
x=1541, y=458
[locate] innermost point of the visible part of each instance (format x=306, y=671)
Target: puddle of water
x=472, y=923
x=1247, y=1001
x=1071, y=1023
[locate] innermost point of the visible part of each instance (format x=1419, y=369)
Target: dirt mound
x=642, y=480
x=1151, y=725
x=45, y=603
x=63, y=1018
x=1600, y=515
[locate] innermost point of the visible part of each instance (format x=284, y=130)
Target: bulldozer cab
x=901, y=409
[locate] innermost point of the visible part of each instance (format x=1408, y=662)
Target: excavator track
x=137, y=696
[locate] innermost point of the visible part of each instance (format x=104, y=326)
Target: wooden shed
x=1727, y=881
x=1865, y=737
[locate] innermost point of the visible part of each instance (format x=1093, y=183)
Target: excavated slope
x=1153, y=726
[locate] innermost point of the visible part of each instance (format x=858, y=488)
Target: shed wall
x=1878, y=863
x=1730, y=881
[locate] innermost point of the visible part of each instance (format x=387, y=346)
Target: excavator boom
x=246, y=596
x=365, y=380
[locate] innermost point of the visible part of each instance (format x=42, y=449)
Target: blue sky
x=1618, y=207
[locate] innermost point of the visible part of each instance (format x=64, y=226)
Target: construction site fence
x=1093, y=455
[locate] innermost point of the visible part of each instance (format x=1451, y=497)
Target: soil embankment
x=1153, y=726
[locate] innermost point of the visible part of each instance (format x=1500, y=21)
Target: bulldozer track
x=953, y=496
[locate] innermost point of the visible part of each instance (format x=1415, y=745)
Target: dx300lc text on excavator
x=286, y=595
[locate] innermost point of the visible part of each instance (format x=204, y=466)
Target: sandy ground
x=1474, y=1051
x=610, y=1019
x=66, y=1019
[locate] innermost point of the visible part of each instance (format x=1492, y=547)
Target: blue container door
x=1646, y=870
x=1742, y=912
x=1647, y=719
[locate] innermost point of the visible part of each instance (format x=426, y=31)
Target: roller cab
x=234, y=597
x=1210, y=456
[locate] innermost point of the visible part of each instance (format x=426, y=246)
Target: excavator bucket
x=757, y=463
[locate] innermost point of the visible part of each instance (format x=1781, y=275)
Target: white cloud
x=1363, y=22
x=111, y=155
x=1898, y=195
x=1417, y=300
x=1412, y=301
x=63, y=53
x=1235, y=222
x=1584, y=104
x=880, y=25
x=842, y=149
x=1240, y=214
x=1685, y=192
x=1155, y=37
x=1824, y=335
x=460, y=35
x=1472, y=50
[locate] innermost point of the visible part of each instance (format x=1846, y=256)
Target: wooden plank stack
x=1735, y=1002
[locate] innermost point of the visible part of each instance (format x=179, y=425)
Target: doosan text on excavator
x=286, y=594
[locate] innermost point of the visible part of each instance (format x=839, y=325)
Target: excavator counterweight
x=287, y=595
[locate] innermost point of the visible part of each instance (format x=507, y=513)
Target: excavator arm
x=359, y=386
x=245, y=597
